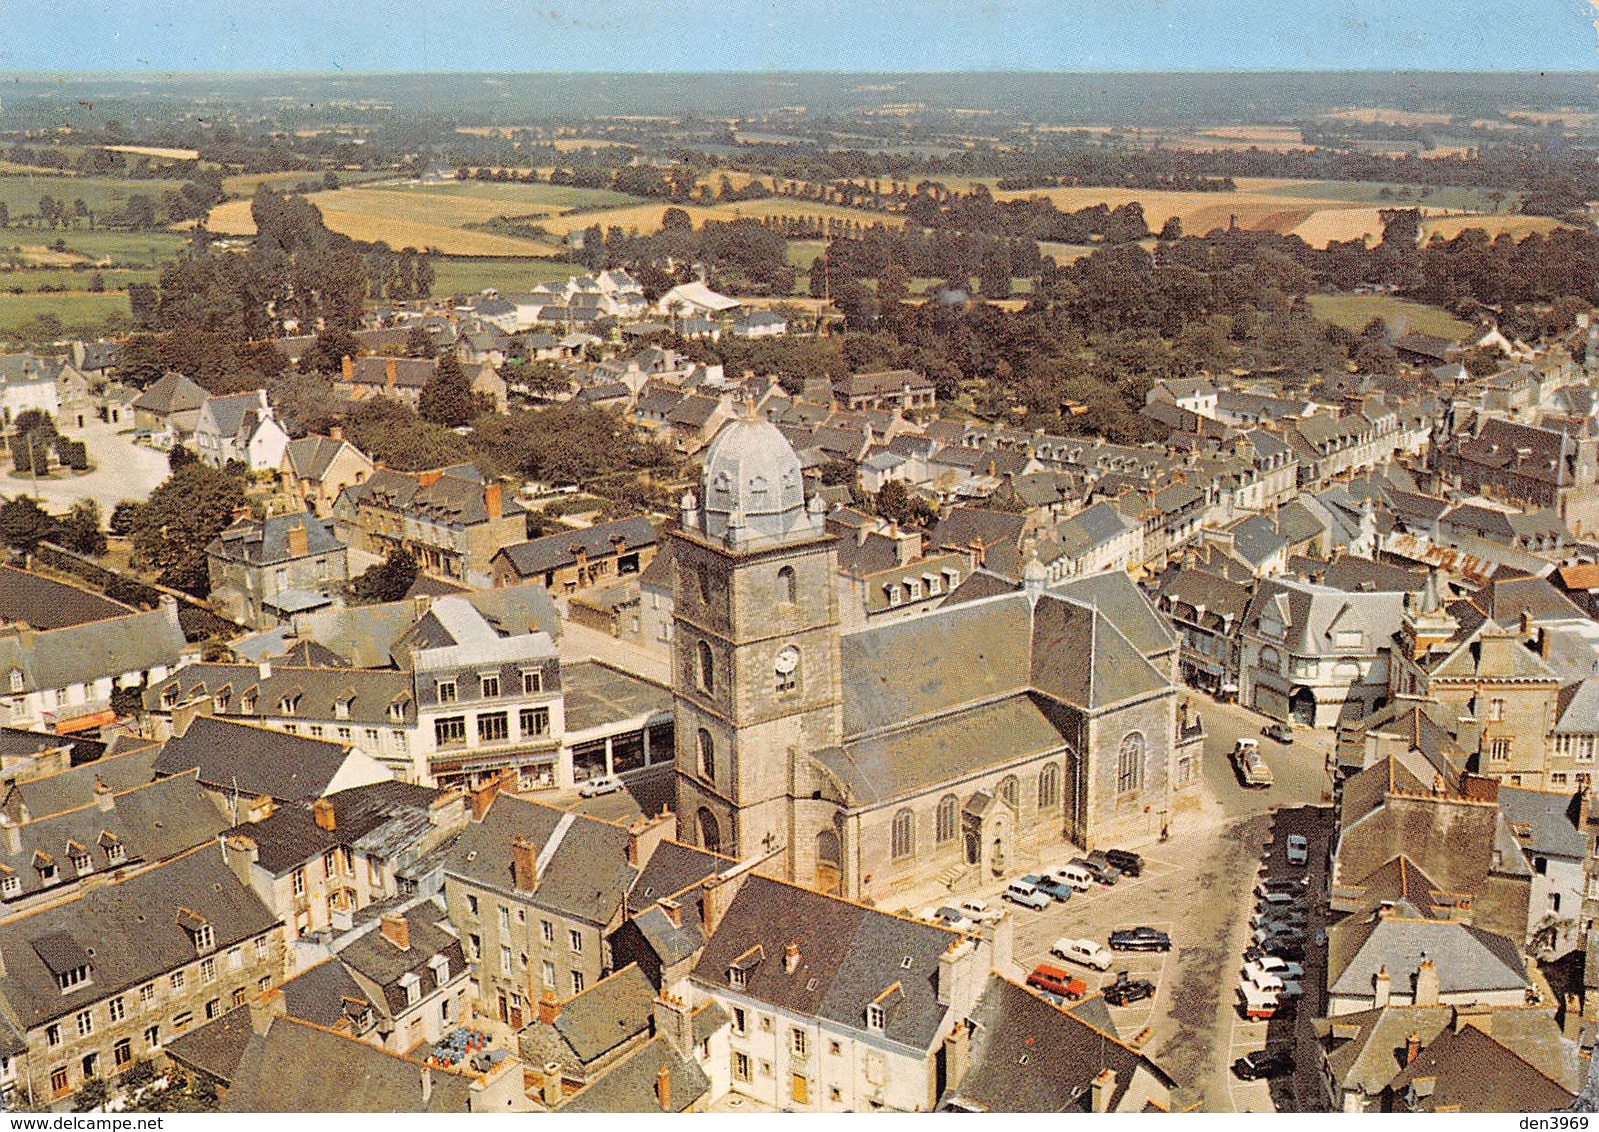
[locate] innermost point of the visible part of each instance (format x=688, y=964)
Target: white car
x=1298, y=849
x=1272, y=965
x=1084, y=951
x=601, y=784
x=980, y=911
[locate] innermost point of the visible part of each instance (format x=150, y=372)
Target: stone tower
x=755, y=662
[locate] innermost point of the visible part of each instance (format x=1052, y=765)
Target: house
x=835, y=1006
x=694, y=300
x=1359, y=1054
x=169, y=409
x=1097, y=538
x=102, y=979
x=243, y=761
x=760, y=324
x=577, y=559
x=29, y=382
x=1391, y=956
x=1465, y=1069
x=906, y=390
x=1553, y=831
x=451, y=520
x=317, y=866
x=1424, y=349
x=400, y=378
x=240, y=428
x=1207, y=611
x=1528, y=466
x=65, y=679
x=317, y=468
x=265, y=571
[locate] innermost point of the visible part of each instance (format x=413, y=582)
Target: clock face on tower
x=787, y=659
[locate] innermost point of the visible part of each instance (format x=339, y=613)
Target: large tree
x=447, y=397
x=182, y=516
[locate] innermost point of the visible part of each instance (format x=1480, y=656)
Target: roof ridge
x=91, y=805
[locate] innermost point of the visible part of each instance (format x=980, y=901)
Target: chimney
x=524, y=864
x=322, y=814
x=550, y=1087
x=1426, y=984
x=102, y=795
x=1104, y=1087
x=549, y=1009
x=1382, y=985
x=1478, y=1015
x=264, y=670
x=957, y=1054
x=1412, y=1046
x=388, y=374
x=336, y=432
x=673, y=910
x=675, y=1022
x=348, y=368
x=1543, y=642
x=13, y=834
x=491, y=499
x=663, y=1088
x=299, y=541
x=483, y=797
x=397, y=930
x=791, y=957
x=264, y=1008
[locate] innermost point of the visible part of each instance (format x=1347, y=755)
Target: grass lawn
x=129, y=249
x=1353, y=312
x=801, y=252
x=457, y=275
x=21, y=195
x=79, y=309
x=72, y=279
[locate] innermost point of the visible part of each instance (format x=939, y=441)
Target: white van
x=1076, y=876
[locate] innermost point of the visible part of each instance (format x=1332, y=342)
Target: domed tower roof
x=752, y=489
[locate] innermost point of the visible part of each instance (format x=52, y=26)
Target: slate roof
x=1544, y=823
x=45, y=603
x=290, y=836
x=409, y=373
x=629, y=1085
x=1465, y=1070
x=999, y=532
x=367, y=692
x=367, y=635
x=231, y=412
x=849, y=956
x=254, y=760
x=215, y=1048
x=132, y=927
x=171, y=393
x=1255, y=540
x=1194, y=587
x=266, y=542
x=310, y=457
x=376, y=960
x=1029, y=1055
x=83, y=653
x=1467, y=959
x=671, y=869
x=297, y=1067
x=72, y=788
x=1375, y=1054
x=614, y=1010
x=1090, y=528
x=1313, y=614
x=535, y=558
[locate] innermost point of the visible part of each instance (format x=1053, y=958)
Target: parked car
x=1257, y=1004
x=952, y=918
x=1099, y=873
x=1127, y=989
x=1084, y=951
x=1274, y=937
x=1298, y=849
x=1078, y=876
x=1294, y=885
x=1278, y=731
x=1054, y=980
x=1284, y=946
x=979, y=910
x=1049, y=886
x=1252, y=769
x=1130, y=863
x=1026, y=895
x=1108, y=872
x=1274, y=1061
x=598, y=785
x=1140, y=939
x=1279, y=900
x=1272, y=965
x=1277, y=921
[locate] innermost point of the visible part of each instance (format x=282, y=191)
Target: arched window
x=948, y=819
x=704, y=668
x=707, y=754
x=1009, y=790
x=1049, y=787
x=904, y=836
x=710, y=832
x=787, y=589
x=1130, y=763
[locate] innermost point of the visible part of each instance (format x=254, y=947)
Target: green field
x=74, y=310
x=72, y=279
x=459, y=275
x=534, y=197
x=101, y=194
x=1353, y=312
x=130, y=249
x=1370, y=192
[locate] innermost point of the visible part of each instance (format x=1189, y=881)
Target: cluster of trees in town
x=745, y=256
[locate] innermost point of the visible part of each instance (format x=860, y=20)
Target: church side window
x=787, y=588
x=903, y=842
x=707, y=754
x=1009, y=790
x=948, y=819
x=1130, y=763
x=1049, y=787
x=704, y=668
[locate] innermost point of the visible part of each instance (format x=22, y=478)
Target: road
x=1298, y=768
x=121, y=470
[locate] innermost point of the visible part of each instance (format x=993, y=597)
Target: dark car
x=1096, y=863
x=1055, y=889
x=1140, y=939
x=1277, y=1061
x=1127, y=989
x=1278, y=731
x=1285, y=947
x=1130, y=863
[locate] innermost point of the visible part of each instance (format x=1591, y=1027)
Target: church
x=860, y=762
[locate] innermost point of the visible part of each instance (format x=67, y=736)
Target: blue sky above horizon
x=78, y=36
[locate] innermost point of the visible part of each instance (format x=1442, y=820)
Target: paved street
x=121, y=470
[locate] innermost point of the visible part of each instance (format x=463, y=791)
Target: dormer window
x=735, y=978
x=199, y=930
x=411, y=983
x=446, y=691
x=80, y=862
x=116, y=853
x=738, y=974
x=45, y=866
x=247, y=702
x=222, y=699
x=289, y=705
x=10, y=886
x=441, y=969
x=16, y=680
x=397, y=711
x=169, y=694
x=341, y=707
x=489, y=685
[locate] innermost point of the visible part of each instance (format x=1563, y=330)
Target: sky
x=77, y=36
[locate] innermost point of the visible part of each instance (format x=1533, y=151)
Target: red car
x=1053, y=980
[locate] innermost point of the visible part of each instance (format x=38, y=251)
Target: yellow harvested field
x=1253, y=133
x=1374, y=115
x=157, y=151
x=1326, y=225
x=398, y=230
x=41, y=256
x=431, y=207
x=568, y=145
x=1518, y=226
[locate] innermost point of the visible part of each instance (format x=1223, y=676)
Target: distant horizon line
x=59, y=73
